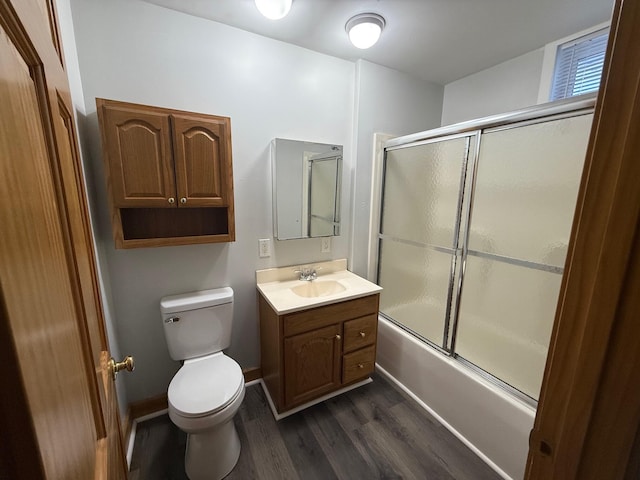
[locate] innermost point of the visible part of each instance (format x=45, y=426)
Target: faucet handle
x=305, y=272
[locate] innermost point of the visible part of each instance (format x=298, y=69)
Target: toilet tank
x=197, y=323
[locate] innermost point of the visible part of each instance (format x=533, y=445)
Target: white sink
x=286, y=293
x=318, y=288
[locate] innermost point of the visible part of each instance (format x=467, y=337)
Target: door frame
x=588, y=420
x=32, y=27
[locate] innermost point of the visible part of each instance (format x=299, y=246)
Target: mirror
x=306, y=189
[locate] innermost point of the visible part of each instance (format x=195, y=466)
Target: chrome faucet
x=307, y=273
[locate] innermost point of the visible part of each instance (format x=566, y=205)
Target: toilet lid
x=203, y=386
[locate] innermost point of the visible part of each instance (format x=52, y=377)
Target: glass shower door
x=418, y=240
x=524, y=196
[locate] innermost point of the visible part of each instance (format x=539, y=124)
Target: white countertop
x=275, y=284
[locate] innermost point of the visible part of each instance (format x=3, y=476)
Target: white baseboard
x=280, y=416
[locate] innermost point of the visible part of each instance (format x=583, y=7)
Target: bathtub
x=494, y=424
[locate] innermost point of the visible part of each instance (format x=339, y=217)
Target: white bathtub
x=492, y=423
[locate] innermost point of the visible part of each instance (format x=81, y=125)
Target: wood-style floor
x=373, y=432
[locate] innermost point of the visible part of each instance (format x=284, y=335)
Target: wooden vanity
x=314, y=351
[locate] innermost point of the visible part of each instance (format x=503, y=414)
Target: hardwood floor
x=373, y=432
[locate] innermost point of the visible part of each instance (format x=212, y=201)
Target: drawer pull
x=360, y=365
x=338, y=337
x=362, y=334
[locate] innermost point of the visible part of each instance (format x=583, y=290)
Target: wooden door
x=58, y=412
x=311, y=364
x=137, y=145
x=202, y=153
x=587, y=425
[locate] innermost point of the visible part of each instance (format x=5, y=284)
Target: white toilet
x=207, y=391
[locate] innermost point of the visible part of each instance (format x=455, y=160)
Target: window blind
x=579, y=65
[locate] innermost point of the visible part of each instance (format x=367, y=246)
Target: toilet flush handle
x=172, y=320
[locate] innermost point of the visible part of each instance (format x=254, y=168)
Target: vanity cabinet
x=313, y=352
x=169, y=175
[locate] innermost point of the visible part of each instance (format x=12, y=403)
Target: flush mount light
x=364, y=30
x=274, y=9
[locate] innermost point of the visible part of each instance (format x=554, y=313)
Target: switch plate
x=264, y=247
x=326, y=245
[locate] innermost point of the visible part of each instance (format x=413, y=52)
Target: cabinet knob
x=362, y=334
x=360, y=365
x=171, y=200
x=183, y=200
x=338, y=337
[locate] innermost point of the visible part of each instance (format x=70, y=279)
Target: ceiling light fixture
x=274, y=9
x=364, y=30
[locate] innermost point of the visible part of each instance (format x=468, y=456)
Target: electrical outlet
x=264, y=247
x=326, y=245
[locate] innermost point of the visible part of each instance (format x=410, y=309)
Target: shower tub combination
x=475, y=220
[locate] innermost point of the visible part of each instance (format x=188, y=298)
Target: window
x=579, y=65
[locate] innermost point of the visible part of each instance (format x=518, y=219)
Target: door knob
x=127, y=364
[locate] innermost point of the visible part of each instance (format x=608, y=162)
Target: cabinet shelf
x=173, y=226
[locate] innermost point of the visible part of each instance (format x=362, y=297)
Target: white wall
x=133, y=51
x=72, y=67
x=505, y=87
x=520, y=82
x=386, y=101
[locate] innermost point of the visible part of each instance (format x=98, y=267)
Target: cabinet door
x=138, y=146
x=312, y=364
x=202, y=148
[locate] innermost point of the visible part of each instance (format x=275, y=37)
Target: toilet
x=207, y=391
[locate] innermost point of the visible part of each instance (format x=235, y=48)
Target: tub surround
x=277, y=286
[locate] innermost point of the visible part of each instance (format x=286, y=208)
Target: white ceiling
x=436, y=40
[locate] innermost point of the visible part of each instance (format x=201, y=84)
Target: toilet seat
x=206, y=385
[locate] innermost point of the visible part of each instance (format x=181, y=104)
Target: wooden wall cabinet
x=314, y=352
x=169, y=175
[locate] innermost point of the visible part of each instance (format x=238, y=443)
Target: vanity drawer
x=358, y=364
x=360, y=332
x=306, y=320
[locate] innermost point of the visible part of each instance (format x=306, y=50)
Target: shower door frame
x=455, y=251
x=582, y=105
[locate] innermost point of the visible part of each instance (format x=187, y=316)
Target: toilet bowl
x=207, y=391
x=204, y=396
